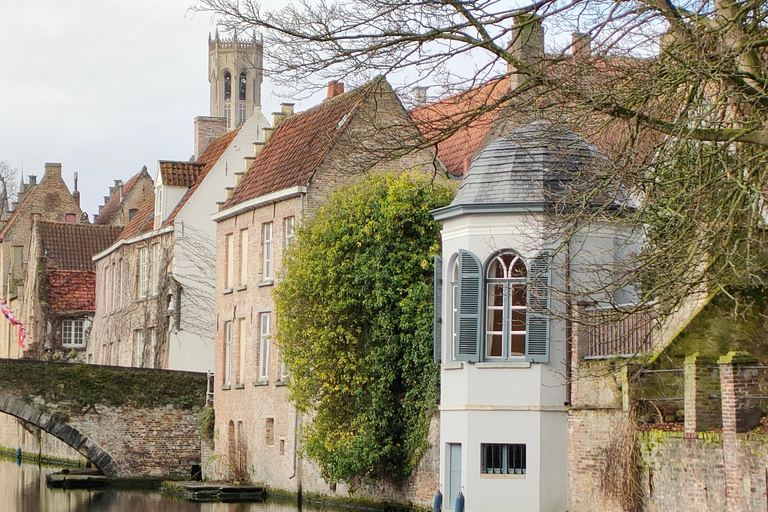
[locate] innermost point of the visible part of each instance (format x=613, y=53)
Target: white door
x=454, y=473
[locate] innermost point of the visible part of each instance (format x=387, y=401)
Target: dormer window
x=227, y=86
x=158, y=206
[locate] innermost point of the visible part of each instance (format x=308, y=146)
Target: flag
x=14, y=321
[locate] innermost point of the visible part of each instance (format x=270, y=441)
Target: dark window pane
x=496, y=270
x=495, y=294
x=518, y=268
x=494, y=345
x=518, y=320
x=518, y=295
x=227, y=86
x=517, y=345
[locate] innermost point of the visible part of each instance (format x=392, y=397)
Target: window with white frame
x=138, y=348
x=240, y=378
x=505, y=306
x=454, y=303
x=243, y=257
x=72, y=333
x=229, y=247
x=150, y=362
x=264, y=321
x=503, y=459
x=143, y=275
x=227, y=353
x=266, y=255
x=155, y=279
x=290, y=230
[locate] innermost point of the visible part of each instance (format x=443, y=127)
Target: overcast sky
x=103, y=87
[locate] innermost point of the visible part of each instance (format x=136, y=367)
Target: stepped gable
x=526, y=165
x=27, y=198
x=109, y=210
x=206, y=160
x=142, y=222
x=298, y=146
x=71, y=290
x=72, y=246
x=445, y=115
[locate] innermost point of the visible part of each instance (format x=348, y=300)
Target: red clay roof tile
x=180, y=174
x=142, y=221
x=297, y=146
x=71, y=290
x=71, y=246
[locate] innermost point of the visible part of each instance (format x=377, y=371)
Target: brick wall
x=33, y=441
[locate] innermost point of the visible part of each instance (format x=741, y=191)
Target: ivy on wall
x=354, y=314
x=80, y=386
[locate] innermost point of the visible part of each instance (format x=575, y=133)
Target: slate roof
x=108, y=211
x=180, y=174
x=526, y=165
x=71, y=290
x=442, y=116
x=142, y=221
x=71, y=246
x=298, y=146
x=208, y=159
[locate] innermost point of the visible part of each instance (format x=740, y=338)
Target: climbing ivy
x=80, y=386
x=354, y=317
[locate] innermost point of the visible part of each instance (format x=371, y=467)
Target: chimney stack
x=207, y=129
x=334, y=89
x=75, y=192
x=33, y=178
x=419, y=96
x=581, y=45
x=527, y=46
x=52, y=170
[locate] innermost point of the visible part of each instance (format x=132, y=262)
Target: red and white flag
x=14, y=321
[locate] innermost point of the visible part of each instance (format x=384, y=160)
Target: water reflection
x=23, y=489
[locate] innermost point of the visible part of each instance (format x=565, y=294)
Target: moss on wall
x=79, y=387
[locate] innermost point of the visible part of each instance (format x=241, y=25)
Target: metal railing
x=611, y=332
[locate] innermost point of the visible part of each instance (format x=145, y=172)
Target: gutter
x=132, y=240
x=259, y=201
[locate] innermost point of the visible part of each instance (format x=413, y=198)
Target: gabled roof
x=108, y=211
x=180, y=174
x=71, y=290
x=71, y=246
x=457, y=110
x=142, y=221
x=208, y=159
x=298, y=146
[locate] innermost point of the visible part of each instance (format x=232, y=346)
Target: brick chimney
x=52, y=170
x=527, y=45
x=581, y=45
x=207, y=129
x=334, y=89
x=76, y=193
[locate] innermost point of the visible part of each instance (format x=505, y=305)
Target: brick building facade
x=308, y=156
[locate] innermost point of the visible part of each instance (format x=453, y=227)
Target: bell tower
x=235, y=69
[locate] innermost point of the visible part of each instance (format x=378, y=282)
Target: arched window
x=505, y=306
x=241, y=93
x=227, y=86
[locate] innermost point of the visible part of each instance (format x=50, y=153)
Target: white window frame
x=267, y=254
x=229, y=277
x=509, y=284
x=264, y=328
x=227, y=353
x=155, y=277
x=73, y=333
x=289, y=227
x=243, y=257
x=138, y=347
x=143, y=272
x=240, y=377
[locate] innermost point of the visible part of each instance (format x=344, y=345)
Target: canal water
x=23, y=489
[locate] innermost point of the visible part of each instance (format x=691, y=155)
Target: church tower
x=235, y=69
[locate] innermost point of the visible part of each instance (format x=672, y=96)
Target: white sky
x=103, y=87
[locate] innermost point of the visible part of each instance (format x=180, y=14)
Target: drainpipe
x=295, y=455
x=568, y=323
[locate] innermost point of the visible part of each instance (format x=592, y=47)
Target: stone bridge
x=129, y=422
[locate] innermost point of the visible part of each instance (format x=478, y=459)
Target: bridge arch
x=61, y=430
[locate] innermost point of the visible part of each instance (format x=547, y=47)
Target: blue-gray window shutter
x=470, y=301
x=438, y=325
x=537, y=317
